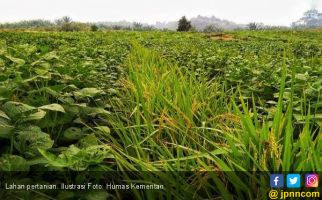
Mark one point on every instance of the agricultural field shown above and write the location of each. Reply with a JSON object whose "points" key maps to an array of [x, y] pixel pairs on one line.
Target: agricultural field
{"points": [[206, 115]]}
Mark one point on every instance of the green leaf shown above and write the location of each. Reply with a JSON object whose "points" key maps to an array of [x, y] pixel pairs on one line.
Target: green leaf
{"points": [[50, 56], [4, 115], [13, 163], [53, 107], [302, 77], [5, 92], [5, 128], [112, 91], [87, 92], [317, 116], [30, 139], [89, 140], [73, 133], [92, 111], [52, 159], [299, 117], [18, 61], [271, 102], [34, 116], [14, 109], [104, 129], [319, 124], [78, 159]]}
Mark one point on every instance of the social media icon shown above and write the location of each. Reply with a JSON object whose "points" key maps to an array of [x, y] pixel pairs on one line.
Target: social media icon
{"points": [[311, 180], [277, 180], [293, 180]]}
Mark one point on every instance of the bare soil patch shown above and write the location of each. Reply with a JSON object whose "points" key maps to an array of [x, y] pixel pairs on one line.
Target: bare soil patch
{"points": [[221, 36]]}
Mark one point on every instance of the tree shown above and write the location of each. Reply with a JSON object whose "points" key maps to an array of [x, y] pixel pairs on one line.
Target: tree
{"points": [[184, 24], [29, 24], [212, 29], [255, 26], [66, 19], [94, 28], [63, 20], [311, 19], [137, 26], [65, 23]]}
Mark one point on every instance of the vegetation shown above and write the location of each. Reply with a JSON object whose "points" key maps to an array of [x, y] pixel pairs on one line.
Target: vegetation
{"points": [[311, 19], [94, 28], [207, 115], [31, 24], [212, 29], [255, 26], [184, 24]]}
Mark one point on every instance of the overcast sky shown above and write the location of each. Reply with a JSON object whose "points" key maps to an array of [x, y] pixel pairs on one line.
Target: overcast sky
{"points": [[273, 12]]}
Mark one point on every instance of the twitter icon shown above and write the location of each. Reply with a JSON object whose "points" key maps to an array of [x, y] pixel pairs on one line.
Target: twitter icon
{"points": [[293, 180]]}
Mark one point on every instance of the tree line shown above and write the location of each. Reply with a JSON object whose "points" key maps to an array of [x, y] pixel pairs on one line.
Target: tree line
{"points": [[310, 19]]}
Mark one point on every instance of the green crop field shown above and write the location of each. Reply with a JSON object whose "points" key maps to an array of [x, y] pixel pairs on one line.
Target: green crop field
{"points": [[202, 112]]}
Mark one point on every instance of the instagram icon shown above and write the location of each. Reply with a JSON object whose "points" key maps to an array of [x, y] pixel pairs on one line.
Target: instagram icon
{"points": [[311, 180]]}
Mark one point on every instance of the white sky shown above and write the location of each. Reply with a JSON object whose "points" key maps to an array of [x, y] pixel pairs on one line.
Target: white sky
{"points": [[273, 12]]}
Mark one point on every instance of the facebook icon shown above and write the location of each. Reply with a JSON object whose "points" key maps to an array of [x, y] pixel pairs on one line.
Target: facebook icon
{"points": [[277, 180]]}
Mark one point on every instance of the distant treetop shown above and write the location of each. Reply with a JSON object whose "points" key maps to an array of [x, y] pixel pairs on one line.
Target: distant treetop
{"points": [[311, 19], [184, 24]]}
